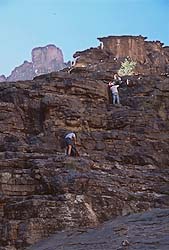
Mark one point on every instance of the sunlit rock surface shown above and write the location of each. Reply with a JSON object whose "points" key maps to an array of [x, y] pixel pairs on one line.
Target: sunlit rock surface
{"points": [[151, 56]]}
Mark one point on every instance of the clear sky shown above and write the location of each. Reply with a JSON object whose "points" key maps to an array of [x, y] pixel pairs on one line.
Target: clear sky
{"points": [[74, 25]]}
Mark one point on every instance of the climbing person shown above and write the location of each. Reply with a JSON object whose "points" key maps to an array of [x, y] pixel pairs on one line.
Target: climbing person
{"points": [[117, 79], [114, 91], [70, 140]]}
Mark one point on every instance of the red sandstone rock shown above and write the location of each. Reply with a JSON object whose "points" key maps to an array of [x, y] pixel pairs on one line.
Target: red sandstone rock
{"points": [[47, 59], [151, 57]]}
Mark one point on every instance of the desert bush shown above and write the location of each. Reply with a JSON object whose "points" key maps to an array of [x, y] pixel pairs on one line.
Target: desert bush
{"points": [[127, 67]]}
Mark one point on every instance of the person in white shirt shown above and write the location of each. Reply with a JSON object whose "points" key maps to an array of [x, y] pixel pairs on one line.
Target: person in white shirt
{"points": [[70, 140], [115, 93], [114, 88]]}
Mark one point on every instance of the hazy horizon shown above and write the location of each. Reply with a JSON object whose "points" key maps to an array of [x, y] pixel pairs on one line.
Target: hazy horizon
{"points": [[74, 25]]}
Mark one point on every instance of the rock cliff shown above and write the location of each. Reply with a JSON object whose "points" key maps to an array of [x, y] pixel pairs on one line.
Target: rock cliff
{"points": [[123, 167], [44, 60], [151, 56]]}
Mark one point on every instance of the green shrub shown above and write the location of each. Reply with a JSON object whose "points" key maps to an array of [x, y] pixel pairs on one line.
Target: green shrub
{"points": [[127, 67]]}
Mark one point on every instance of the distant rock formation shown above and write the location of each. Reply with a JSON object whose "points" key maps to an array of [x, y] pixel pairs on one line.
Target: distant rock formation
{"points": [[44, 60], [2, 78]]}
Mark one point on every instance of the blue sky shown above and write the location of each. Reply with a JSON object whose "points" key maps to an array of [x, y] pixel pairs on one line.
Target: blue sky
{"points": [[74, 25]]}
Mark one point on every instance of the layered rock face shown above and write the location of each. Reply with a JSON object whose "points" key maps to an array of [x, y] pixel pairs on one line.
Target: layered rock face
{"points": [[44, 60], [151, 57], [123, 167]]}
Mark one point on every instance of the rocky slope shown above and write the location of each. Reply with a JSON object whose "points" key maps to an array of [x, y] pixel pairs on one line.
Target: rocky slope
{"points": [[141, 231], [123, 166], [44, 60]]}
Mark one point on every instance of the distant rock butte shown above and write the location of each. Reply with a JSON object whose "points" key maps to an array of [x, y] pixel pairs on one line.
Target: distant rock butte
{"points": [[2, 78], [44, 60]]}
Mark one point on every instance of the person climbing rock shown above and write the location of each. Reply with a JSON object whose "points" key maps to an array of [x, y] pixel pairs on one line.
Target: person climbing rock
{"points": [[114, 88], [117, 79], [70, 140], [115, 93]]}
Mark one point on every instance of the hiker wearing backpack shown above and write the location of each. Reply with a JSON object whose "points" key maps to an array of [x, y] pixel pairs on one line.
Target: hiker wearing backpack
{"points": [[70, 140]]}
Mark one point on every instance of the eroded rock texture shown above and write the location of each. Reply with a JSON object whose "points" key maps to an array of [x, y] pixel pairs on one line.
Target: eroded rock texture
{"points": [[123, 166], [151, 56], [44, 60]]}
